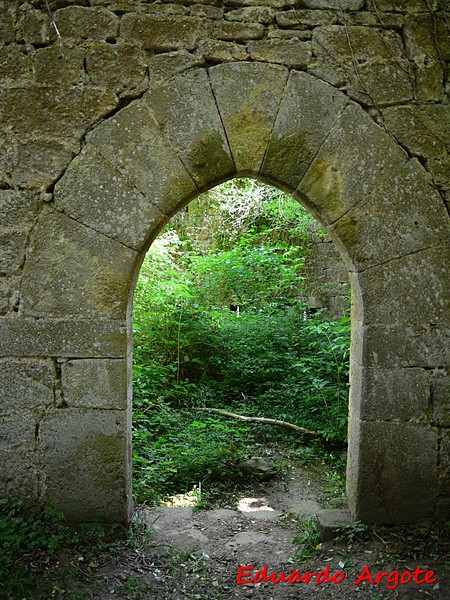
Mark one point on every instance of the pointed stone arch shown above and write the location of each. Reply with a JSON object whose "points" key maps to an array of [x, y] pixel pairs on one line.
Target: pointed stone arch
{"points": [[136, 170]]}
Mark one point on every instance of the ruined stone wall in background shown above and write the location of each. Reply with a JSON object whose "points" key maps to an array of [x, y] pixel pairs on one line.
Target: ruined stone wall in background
{"points": [[68, 67]]}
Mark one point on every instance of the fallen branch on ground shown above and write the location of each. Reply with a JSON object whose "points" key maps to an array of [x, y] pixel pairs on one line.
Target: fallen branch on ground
{"points": [[225, 413]]}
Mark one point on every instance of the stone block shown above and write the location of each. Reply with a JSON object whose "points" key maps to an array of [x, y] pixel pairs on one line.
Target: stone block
{"points": [[187, 113], [217, 51], [87, 23], [339, 177], [392, 346], [48, 109], [133, 143], [329, 521], [58, 65], [65, 338], [372, 19], [331, 4], [354, 45], [391, 471], [257, 14], [93, 192], [6, 27], [276, 4], [164, 66], [248, 96], [39, 163], [35, 28], [73, 270], [13, 242], [17, 431], [404, 6], [205, 11], [440, 397], [86, 457], [382, 394], [379, 84], [299, 509], [394, 217], [237, 32], [425, 132], [121, 67], [17, 207], [12, 64], [162, 33], [305, 19], [411, 290], [27, 383], [99, 384], [289, 34], [9, 293], [308, 111], [290, 53]]}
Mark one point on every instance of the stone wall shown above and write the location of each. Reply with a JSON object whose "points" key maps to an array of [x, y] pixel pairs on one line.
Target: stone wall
{"points": [[116, 113]]}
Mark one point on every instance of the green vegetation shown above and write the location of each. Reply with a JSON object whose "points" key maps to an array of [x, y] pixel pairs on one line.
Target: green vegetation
{"points": [[220, 321]]}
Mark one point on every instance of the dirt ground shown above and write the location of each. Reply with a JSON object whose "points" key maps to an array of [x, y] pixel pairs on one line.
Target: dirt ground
{"points": [[217, 554]]}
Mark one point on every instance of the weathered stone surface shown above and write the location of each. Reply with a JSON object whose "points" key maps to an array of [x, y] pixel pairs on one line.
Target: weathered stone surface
{"points": [[121, 67], [332, 4], [330, 520], [86, 23], [13, 242], [58, 64], [12, 64], [302, 508], [108, 387], [39, 163], [6, 27], [440, 397], [375, 84], [161, 33], [305, 19], [359, 44], [73, 270], [289, 34], [392, 493], [392, 346], [339, 177], [237, 32], [27, 382], [394, 211], [272, 3], [389, 394], [372, 19], [93, 192], [35, 28], [187, 114], [425, 132], [248, 96], [423, 36], [206, 11], [217, 51], [404, 6], [133, 143], [164, 66], [18, 207], [70, 337], [308, 111], [292, 53], [19, 476], [258, 14], [9, 293], [44, 109], [86, 457]]}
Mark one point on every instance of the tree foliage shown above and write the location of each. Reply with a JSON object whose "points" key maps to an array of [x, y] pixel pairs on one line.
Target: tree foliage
{"points": [[219, 321]]}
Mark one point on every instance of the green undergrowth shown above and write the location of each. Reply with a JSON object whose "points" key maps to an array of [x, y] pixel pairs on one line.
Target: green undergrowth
{"points": [[35, 544]]}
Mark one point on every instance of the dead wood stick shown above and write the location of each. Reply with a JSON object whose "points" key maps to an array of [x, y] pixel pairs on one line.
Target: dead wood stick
{"points": [[225, 413]]}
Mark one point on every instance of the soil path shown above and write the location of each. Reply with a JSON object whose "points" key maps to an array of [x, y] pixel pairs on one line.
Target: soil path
{"points": [[201, 554]]}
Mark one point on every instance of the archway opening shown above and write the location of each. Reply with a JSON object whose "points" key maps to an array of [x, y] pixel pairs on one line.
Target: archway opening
{"points": [[241, 349]]}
